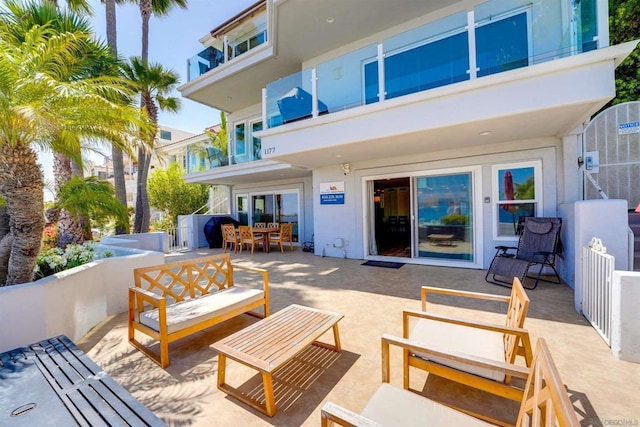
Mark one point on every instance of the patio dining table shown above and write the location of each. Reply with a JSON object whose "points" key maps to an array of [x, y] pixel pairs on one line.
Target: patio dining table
{"points": [[264, 232]]}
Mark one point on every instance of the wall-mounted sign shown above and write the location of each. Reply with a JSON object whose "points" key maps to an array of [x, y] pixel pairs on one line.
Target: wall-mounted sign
{"points": [[629, 127], [332, 193]]}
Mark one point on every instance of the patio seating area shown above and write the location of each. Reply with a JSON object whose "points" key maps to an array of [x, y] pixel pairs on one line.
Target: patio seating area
{"points": [[372, 300]]}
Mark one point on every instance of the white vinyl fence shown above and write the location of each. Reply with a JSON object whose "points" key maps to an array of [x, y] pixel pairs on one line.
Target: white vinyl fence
{"points": [[178, 238], [597, 273]]}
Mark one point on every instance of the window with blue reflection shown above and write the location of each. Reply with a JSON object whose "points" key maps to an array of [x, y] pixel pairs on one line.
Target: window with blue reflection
{"points": [[241, 143], [502, 45], [257, 143], [589, 24], [431, 65]]}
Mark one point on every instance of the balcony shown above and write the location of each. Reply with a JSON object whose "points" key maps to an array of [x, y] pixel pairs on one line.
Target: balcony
{"points": [[211, 57], [229, 41], [440, 53]]}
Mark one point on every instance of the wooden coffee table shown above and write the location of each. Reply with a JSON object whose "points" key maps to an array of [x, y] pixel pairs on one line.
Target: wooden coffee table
{"points": [[270, 343]]}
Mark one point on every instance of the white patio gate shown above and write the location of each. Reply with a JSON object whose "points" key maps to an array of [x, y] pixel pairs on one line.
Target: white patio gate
{"points": [[597, 274]]}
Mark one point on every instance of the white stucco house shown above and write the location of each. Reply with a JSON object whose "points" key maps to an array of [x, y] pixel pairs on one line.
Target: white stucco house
{"points": [[374, 124]]}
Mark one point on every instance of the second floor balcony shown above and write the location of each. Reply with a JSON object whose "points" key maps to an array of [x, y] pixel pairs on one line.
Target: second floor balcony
{"points": [[494, 37]]}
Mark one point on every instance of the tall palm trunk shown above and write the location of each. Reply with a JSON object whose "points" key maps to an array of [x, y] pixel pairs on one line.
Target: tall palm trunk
{"points": [[6, 240], [69, 228], [143, 216], [116, 154], [21, 184]]}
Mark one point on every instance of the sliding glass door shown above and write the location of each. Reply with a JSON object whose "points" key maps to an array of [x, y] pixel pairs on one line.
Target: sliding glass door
{"points": [[445, 216], [280, 207]]}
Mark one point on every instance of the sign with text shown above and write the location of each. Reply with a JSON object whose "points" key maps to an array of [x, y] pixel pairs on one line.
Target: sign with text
{"points": [[627, 128], [332, 193]]}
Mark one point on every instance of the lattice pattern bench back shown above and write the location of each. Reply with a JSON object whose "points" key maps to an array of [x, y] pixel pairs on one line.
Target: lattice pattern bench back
{"points": [[191, 278]]}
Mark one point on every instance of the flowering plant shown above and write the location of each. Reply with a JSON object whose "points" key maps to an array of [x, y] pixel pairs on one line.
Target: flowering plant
{"points": [[54, 260]]}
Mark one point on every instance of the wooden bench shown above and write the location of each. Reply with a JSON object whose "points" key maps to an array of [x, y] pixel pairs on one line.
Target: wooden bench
{"points": [[174, 300], [545, 401]]}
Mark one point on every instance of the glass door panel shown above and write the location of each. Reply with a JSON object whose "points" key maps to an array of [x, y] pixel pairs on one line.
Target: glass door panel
{"points": [[287, 211], [445, 217], [263, 210], [242, 208]]}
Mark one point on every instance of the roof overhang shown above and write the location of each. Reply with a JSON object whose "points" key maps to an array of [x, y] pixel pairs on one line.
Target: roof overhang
{"points": [[247, 173]]}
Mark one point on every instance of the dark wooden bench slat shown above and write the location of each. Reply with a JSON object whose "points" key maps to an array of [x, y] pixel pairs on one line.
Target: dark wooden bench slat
{"points": [[91, 397]]}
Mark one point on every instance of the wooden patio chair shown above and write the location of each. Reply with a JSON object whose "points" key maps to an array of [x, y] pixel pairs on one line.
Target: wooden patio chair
{"points": [[284, 235], [478, 340], [271, 225], [545, 401], [248, 238], [230, 237], [260, 225]]}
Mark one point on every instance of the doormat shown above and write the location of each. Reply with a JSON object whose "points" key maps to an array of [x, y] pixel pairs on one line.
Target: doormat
{"points": [[385, 264]]}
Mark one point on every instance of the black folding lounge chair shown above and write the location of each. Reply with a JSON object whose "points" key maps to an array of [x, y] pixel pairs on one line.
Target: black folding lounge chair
{"points": [[538, 246]]}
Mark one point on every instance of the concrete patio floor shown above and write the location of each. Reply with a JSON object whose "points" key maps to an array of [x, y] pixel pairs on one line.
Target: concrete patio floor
{"points": [[604, 391]]}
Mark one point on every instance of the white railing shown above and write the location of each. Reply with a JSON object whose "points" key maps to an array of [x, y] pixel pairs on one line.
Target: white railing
{"points": [[597, 273], [179, 238]]}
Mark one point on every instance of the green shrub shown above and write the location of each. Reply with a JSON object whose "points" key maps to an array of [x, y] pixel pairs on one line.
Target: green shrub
{"points": [[455, 219]]}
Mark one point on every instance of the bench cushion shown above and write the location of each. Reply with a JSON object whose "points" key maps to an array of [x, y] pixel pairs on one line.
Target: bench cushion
{"points": [[393, 406], [450, 338], [193, 311]]}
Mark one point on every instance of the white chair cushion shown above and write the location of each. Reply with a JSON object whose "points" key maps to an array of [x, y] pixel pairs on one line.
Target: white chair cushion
{"points": [[448, 338], [183, 314], [393, 406]]}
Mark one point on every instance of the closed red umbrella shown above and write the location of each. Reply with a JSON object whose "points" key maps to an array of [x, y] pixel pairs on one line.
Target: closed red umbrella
{"points": [[508, 191], [509, 195]]}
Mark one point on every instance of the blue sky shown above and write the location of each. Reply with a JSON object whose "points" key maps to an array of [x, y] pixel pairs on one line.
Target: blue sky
{"points": [[172, 39]]}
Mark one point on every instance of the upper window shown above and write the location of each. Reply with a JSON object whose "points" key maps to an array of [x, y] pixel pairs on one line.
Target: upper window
{"points": [[165, 134], [517, 194], [438, 63], [502, 45], [240, 139], [257, 144]]}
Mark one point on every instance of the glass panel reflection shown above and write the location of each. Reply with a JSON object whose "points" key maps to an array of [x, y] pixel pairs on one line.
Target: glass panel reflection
{"points": [[445, 217]]}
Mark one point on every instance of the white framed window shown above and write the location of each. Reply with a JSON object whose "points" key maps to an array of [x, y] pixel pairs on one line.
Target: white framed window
{"points": [[256, 126], [517, 193], [240, 139]]}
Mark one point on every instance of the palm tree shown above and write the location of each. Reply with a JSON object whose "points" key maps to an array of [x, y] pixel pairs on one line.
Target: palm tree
{"points": [[40, 107], [5, 244], [91, 198], [82, 6], [154, 83], [70, 227], [116, 153], [158, 8]]}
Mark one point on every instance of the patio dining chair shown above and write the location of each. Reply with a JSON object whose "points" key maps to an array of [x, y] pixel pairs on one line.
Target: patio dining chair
{"points": [[230, 237], [273, 225], [283, 236], [260, 224], [248, 238], [538, 246], [545, 400], [453, 336]]}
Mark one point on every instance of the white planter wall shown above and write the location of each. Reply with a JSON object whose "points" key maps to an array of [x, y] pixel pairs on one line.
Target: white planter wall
{"points": [[71, 302]]}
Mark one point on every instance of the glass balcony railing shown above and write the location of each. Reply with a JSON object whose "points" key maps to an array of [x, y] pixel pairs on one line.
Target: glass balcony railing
{"points": [[204, 61], [203, 157], [507, 35], [213, 57], [289, 99]]}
